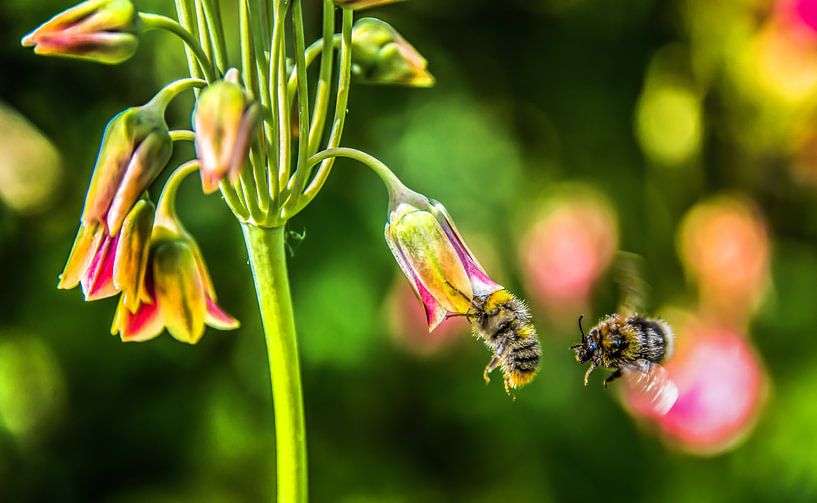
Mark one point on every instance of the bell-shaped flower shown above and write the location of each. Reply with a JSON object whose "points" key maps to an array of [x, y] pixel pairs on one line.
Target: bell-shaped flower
{"points": [[381, 56], [177, 292], [105, 265], [362, 4], [97, 30], [442, 270], [225, 120]]}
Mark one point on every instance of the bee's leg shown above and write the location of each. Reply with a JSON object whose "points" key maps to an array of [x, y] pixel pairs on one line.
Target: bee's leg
{"points": [[495, 361], [612, 377], [468, 299], [508, 389], [590, 370]]}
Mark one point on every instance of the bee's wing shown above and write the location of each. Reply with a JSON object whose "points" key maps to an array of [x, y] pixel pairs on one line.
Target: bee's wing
{"points": [[629, 274], [651, 390]]}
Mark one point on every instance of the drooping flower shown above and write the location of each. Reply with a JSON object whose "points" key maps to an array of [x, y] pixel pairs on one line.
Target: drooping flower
{"points": [[177, 292], [381, 56], [135, 148], [225, 120], [97, 30], [443, 272]]}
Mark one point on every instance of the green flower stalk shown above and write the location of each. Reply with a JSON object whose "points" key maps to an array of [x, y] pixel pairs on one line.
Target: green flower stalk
{"points": [[104, 31]]}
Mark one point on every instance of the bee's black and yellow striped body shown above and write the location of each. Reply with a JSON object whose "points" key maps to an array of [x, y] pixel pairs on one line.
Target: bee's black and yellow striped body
{"points": [[619, 341], [504, 324]]}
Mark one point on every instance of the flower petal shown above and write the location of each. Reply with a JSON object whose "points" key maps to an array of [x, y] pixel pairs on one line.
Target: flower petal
{"points": [[435, 312], [82, 255], [98, 281], [433, 260], [219, 319], [480, 281], [132, 253], [142, 325], [179, 291]]}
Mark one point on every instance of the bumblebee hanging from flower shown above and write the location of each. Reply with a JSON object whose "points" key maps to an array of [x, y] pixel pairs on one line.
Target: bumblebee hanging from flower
{"points": [[630, 344]]}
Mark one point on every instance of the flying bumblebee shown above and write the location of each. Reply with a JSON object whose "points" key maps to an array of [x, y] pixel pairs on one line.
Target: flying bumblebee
{"points": [[503, 322], [631, 345]]}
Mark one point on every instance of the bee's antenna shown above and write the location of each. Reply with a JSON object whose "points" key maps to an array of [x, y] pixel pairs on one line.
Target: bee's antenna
{"points": [[575, 346]]}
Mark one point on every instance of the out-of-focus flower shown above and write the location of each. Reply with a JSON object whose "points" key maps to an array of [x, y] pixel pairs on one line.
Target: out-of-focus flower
{"points": [[97, 30], [32, 386], [442, 270], [669, 124], [724, 247], [177, 292], [381, 56], [806, 12], [30, 168], [721, 387], [105, 264], [225, 121], [409, 327], [363, 4], [569, 245]]}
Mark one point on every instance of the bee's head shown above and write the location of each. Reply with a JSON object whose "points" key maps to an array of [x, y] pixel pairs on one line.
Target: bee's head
{"points": [[589, 345]]}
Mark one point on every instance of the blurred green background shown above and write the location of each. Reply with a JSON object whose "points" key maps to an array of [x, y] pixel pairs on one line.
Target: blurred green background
{"points": [[640, 108]]}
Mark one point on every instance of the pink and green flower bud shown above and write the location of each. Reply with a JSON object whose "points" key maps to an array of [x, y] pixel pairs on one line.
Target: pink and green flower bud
{"points": [[381, 56], [442, 270], [225, 120], [104, 31], [105, 265], [362, 4], [135, 148]]}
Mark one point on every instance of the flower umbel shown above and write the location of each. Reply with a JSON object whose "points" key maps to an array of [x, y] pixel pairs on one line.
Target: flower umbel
{"points": [[96, 30], [442, 270], [225, 121]]}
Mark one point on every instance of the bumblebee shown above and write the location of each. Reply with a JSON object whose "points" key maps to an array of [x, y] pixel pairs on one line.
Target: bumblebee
{"points": [[503, 322], [633, 346]]}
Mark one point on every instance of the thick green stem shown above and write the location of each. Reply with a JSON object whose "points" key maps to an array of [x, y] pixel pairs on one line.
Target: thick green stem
{"points": [[266, 250]]}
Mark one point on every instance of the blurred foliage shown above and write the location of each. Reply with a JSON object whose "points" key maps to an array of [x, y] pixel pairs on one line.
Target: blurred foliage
{"points": [[657, 105]]}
